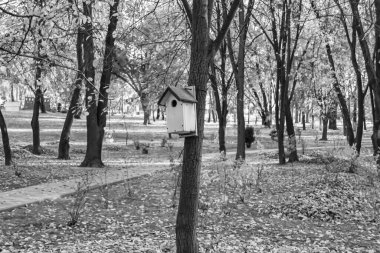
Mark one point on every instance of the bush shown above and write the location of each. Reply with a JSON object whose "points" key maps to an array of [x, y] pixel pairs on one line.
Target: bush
{"points": [[249, 136]]}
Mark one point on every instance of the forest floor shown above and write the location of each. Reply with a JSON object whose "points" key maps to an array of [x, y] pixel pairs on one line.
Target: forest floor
{"points": [[313, 205]]}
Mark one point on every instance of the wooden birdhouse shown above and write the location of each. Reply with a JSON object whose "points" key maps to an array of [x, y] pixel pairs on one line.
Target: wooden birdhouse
{"points": [[181, 115]]}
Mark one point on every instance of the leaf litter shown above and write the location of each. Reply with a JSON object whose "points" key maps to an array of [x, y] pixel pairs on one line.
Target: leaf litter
{"points": [[299, 209]]}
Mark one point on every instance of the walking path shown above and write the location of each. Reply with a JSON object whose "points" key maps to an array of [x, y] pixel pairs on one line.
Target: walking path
{"points": [[113, 175]]}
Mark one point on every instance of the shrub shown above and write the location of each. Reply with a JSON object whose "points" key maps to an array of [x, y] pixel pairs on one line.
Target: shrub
{"points": [[80, 199], [249, 136], [137, 145]]}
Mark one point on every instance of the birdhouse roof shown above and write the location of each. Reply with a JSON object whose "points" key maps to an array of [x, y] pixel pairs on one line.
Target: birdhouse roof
{"points": [[180, 94]]}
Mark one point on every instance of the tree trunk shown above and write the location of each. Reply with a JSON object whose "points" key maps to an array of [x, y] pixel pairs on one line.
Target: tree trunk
{"points": [[37, 150], [158, 113], [93, 151], [152, 112], [293, 156], [238, 68], [187, 215], [5, 137], [325, 121], [144, 98], [64, 142], [303, 121], [42, 105], [359, 128], [97, 114], [373, 70], [376, 89], [342, 101], [333, 114], [12, 92], [296, 117], [221, 102]]}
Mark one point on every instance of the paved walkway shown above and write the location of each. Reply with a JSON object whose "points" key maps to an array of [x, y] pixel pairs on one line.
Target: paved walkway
{"points": [[50, 191]]}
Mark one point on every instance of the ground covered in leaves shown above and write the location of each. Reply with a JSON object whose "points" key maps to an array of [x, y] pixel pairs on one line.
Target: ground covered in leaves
{"points": [[254, 206]]}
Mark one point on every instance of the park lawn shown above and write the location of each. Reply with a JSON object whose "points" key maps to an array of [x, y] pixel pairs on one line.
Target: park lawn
{"points": [[258, 206], [308, 206], [29, 169]]}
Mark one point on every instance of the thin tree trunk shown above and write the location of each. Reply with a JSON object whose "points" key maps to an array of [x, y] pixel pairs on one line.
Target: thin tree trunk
{"points": [[293, 157], [238, 68], [342, 101], [359, 128], [5, 137], [303, 121], [158, 113], [333, 114], [12, 92], [64, 142], [325, 122], [37, 150], [144, 98], [376, 124]]}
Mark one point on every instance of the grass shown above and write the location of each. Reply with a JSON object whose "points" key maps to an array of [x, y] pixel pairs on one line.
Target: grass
{"points": [[308, 206]]}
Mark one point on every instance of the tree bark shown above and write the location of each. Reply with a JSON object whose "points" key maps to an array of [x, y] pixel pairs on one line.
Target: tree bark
{"points": [[293, 157], [37, 150], [325, 121], [97, 113], [342, 100], [5, 137], [376, 87], [64, 142], [42, 105], [12, 92], [93, 151], [187, 215], [303, 121], [144, 98], [238, 68], [221, 103], [333, 114]]}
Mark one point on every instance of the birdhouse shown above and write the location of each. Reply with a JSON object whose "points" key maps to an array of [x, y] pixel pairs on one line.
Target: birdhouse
{"points": [[181, 116]]}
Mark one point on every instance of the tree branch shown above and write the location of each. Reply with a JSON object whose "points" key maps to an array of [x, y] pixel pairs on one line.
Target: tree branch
{"points": [[188, 10], [225, 27], [15, 14]]}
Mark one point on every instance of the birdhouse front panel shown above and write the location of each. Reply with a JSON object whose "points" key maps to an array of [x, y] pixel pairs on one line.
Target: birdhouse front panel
{"points": [[175, 118]]}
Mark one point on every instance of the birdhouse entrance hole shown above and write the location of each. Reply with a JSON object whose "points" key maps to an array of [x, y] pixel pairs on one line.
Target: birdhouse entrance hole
{"points": [[174, 103]]}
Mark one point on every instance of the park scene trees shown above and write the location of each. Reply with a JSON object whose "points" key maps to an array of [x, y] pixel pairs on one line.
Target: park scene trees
{"points": [[284, 96]]}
